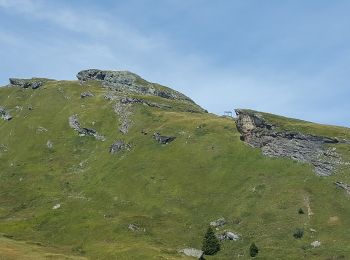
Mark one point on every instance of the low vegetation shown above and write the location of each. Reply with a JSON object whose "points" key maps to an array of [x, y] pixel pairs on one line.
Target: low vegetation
{"points": [[68, 192]]}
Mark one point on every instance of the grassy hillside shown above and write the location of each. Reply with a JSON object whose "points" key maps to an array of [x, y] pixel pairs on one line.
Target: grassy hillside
{"points": [[170, 191]]}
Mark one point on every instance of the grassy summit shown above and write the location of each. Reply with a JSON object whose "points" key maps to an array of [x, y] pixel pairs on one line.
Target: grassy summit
{"points": [[78, 200]]}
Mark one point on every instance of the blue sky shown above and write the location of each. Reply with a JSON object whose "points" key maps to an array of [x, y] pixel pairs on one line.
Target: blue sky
{"points": [[285, 57]]}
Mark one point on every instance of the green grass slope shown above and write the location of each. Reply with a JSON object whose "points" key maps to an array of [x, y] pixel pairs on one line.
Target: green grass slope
{"points": [[172, 191]]}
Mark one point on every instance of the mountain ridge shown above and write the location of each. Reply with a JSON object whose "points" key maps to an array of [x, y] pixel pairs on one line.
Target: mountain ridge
{"points": [[164, 170]]}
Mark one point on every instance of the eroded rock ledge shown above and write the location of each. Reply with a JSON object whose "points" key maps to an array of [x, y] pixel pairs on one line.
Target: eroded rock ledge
{"points": [[127, 81], [259, 133], [83, 131]]}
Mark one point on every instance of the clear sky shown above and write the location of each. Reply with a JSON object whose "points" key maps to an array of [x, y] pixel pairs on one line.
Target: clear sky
{"points": [[289, 57]]}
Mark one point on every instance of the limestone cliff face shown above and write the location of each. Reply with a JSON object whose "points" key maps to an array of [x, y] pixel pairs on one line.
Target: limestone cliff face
{"points": [[259, 133]]}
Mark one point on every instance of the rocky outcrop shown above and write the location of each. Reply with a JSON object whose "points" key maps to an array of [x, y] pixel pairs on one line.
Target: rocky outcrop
{"points": [[259, 133], [162, 139], [26, 83], [119, 146], [344, 186], [5, 115], [83, 131], [130, 82]]}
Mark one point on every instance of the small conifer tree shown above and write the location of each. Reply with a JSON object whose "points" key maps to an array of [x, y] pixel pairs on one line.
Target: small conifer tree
{"points": [[211, 244], [253, 250]]}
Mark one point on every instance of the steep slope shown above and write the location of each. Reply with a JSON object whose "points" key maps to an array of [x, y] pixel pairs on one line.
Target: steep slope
{"points": [[107, 167]]}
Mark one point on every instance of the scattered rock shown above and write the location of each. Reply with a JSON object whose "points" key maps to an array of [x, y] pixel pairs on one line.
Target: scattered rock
{"points": [[41, 129], [119, 146], [3, 148], [26, 83], [258, 133], [75, 124], [5, 115], [192, 252], [57, 206], [162, 139], [218, 223], [49, 144], [86, 94], [228, 235], [136, 228], [343, 185], [316, 244], [124, 112]]}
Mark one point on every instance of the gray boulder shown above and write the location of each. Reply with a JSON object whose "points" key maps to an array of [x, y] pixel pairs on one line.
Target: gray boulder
{"points": [[5, 115], [228, 235], [162, 139], [193, 252], [86, 94]]}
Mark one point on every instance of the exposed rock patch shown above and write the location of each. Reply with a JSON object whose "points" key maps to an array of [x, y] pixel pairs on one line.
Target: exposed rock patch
{"points": [[83, 131], [192, 252], [86, 94], [228, 235], [57, 206], [130, 100], [127, 81], [258, 133], [136, 228], [3, 148], [49, 144], [123, 110], [26, 83], [315, 244], [218, 223], [162, 139], [344, 186], [5, 115], [119, 146]]}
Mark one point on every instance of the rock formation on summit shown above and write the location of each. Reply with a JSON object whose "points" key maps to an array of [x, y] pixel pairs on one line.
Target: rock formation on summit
{"points": [[127, 81], [259, 133], [32, 83]]}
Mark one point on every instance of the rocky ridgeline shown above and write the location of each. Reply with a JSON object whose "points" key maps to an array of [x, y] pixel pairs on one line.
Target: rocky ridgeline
{"points": [[130, 82], [32, 83], [259, 133]]}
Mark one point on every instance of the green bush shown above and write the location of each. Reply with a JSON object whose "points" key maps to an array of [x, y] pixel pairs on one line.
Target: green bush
{"points": [[301, 211], [298, 233], [253, 250], [211, 244]]}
